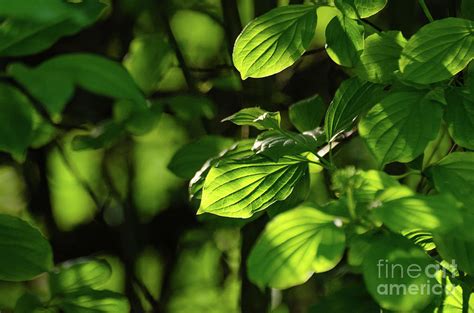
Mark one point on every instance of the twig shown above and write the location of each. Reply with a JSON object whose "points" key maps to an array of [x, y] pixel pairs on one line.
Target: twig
{"points": [[426, 10], [366, 21], [78, 176], [177, 50], [147, 294]]}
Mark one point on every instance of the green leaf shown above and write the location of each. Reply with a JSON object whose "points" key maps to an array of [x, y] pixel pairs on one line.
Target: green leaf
{"points": [[94, 301], [293, 246], [307, 114], [360, 8], [352, 98], [274, 41], [401, 125], [344, 40], [460, 116], [457, 251], [53, 82], [453, 300], [277, 143], [255, 117], [239, 151], [385, 268], [438, 51], [379, 60], [242, 188], [78, 274], [432, 213], [148, 60], [25, 252], [30, 28], [455, 174], [357, 188], [191, 157], [16, 121]]}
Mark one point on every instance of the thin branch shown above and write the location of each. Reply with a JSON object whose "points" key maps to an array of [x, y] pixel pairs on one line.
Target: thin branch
{"points": [[147, 294], [177, 50], [366, 21], [425, 9], [78, 176]]}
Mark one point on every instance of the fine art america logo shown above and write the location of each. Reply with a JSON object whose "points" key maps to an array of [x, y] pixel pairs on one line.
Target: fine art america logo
{"points": [[423, 280]]}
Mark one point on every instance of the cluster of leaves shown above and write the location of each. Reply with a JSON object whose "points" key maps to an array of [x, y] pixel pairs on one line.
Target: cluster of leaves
{"points": [[403, 95], [403, 92]]}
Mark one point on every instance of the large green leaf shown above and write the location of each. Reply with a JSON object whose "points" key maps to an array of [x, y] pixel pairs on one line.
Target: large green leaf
{"points": [[457, 251], [255, 117], [53, 82], [242, 188], [357, 189], [307, 114], [439, 213], [31, 27], [379, 60], [352, 98], [391, 275], [455, 174], [277, 143], [438, 51], [274, 41], [460, 116], [293, 246], [16, 121], [191, 157], [25, 252], [401, 125], [360, 8], [344, 40], [93, 301], [78, 274]]}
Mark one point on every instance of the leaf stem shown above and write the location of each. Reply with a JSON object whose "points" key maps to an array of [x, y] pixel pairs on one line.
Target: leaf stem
{"points": [[425, 9]]}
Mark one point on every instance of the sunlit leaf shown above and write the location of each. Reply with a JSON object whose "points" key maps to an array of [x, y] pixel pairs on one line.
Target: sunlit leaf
{"points": [[275, 144], [274, 41], [352, 98], [399, 127], [438, 51], [243, 188], [344, 40], [360, 8], [255, 117], [379, 60], [293, 246], [432, 213]]}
